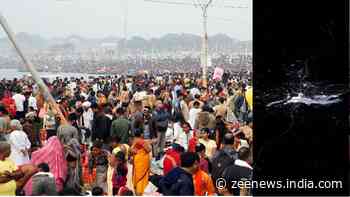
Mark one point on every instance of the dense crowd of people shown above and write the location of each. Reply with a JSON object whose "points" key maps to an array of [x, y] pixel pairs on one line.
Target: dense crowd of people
{"points": [[166, 134], [164, 63]]}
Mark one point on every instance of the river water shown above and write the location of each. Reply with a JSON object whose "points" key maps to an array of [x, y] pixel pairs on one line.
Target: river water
{"points": [[14, 73]]}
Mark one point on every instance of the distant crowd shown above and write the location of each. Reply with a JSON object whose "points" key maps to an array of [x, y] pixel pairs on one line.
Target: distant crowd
{"points": [[172, 64]]}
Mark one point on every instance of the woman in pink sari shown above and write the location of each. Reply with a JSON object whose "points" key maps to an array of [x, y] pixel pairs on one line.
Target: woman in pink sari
{"points": [[52, 154]]}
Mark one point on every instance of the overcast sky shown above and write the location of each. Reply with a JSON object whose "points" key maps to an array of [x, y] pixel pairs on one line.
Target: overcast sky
{"points": [[99, 18]]}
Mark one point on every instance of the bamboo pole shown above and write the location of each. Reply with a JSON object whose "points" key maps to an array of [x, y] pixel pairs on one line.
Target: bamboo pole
{"points": [[46, 93]]}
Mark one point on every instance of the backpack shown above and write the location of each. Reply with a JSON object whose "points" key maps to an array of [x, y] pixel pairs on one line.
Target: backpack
{"points": [[220, 163]]}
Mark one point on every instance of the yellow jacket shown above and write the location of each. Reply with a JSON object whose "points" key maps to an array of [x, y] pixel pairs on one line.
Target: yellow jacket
{"points": [[249, 98]]}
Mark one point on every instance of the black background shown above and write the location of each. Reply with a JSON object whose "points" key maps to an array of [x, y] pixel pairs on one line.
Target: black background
{"points": [[283, 32]]}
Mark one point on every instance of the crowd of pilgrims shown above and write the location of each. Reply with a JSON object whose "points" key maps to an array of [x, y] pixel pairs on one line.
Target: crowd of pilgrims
{"points": [[126, 135]]}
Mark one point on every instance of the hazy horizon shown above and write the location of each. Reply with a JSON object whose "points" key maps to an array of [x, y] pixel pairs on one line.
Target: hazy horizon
{"points": [[98, 19], [115, 36]]}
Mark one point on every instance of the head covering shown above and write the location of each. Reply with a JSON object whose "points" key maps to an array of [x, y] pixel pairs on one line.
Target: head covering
{"points": [[16, 124]]}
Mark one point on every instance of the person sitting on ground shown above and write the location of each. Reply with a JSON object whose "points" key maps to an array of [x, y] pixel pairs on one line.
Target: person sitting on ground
{"points": [[44, 182]]}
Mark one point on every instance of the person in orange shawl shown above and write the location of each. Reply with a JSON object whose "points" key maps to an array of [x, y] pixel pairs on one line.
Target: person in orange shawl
{"points": [[203, 184], [140, 150]]}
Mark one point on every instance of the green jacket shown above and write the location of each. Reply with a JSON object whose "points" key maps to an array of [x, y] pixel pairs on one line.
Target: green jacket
{"points": [[121, 127]]}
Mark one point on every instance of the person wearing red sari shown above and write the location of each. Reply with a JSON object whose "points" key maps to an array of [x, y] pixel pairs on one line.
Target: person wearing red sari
{"points": [[9, 103]]}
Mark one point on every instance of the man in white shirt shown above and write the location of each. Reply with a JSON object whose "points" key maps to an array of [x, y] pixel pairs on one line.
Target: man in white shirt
{"points": [[19, 101], [88, 115], [32, 102], [183, 135], [194, 113], [20, 144]]}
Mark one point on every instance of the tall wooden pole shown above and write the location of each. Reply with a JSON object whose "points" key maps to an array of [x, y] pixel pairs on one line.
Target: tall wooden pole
{"points": [[46, 93]]}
